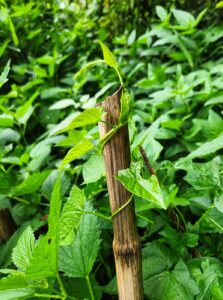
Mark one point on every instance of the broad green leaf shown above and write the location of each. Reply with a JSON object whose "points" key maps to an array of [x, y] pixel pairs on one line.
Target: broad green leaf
{"points": [[148, 189], [77, 259], [219, 4], [176, 284], [71, 215], [86, 67], [31, 184], [87, 117], [207, 272], [16, 286], [4, 74], [157, 258], [202, 176], [52, 92], [183, 18], [211, 221], [77, 151], [94, 168], [218, 202], [161, 13], [108, 56], [13, 31], [45, 257], [62, 104], [208, 148], [23, 252], [6, 120], [131, 37], [74, 137]]}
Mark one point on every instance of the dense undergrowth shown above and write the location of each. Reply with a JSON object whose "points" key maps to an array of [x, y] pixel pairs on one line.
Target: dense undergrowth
{"points": [[173, 69]]}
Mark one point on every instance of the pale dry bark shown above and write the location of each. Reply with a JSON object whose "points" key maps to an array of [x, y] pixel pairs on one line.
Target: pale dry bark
{"points": [[126, 243]]}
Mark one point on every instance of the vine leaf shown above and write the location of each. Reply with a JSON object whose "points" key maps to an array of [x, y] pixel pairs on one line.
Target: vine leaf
{"points": [[77, 151], [77, 259], [23, 252], [71, 215], [108, 56], [87, 117], [147, 189], [45, 257]]}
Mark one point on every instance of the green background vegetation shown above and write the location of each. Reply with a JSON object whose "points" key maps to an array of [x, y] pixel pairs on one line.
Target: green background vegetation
{"points": [[170, 54]]}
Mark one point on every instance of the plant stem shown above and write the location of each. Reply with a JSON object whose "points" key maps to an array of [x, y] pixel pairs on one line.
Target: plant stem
{"points": [[48, 296], [97, 214], [90, 288], [119, 76], [20, 199], [144, 218], [64, 294], [121, 208]]}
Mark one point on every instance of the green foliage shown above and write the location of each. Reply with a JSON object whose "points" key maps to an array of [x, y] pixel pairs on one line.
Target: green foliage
{"points": [[71, 215], [77, 259], [170, 60], [23, 252], [147, 189]]}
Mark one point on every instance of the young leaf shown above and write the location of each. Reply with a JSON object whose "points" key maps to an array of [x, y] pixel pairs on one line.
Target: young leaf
{"points": [[183, 18], [161, 13], [125, 107], [23, 252], [4, 74], [148, 189], [108, 56], [208, 148], [94, 168], [45, 257], [86, 67], [31, 184], [77, 151], [16, 286], [87, 117], [77, 259], [71, 215], [176, 284]]}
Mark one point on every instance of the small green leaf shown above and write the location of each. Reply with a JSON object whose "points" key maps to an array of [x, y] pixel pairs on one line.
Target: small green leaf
{"points": [[31, 184], [108, 56], [219, 4], [23, 252], [161, 13], [77, 259], [62, 104], [176, 284], [45, 257], [4, 74], [16, 286], [183, 18], [208, 148], [86, 67], [74, 137], [94, 168], [147, 189], [87, 117], [125, 107], [71, 215], [77, 151]]}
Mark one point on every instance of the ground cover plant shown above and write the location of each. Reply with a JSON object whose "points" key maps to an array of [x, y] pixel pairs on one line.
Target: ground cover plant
{"points": [[52, 176]]}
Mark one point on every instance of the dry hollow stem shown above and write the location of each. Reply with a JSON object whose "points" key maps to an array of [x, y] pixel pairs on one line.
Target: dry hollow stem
{"points": [[126, 243]]}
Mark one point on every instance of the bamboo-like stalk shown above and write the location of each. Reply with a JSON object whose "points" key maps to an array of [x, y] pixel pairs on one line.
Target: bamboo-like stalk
{"points": [[126, 243]]}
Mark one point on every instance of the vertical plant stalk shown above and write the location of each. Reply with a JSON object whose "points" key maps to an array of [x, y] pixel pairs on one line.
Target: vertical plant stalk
{"points": [[126, 243], [7, 224]]}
